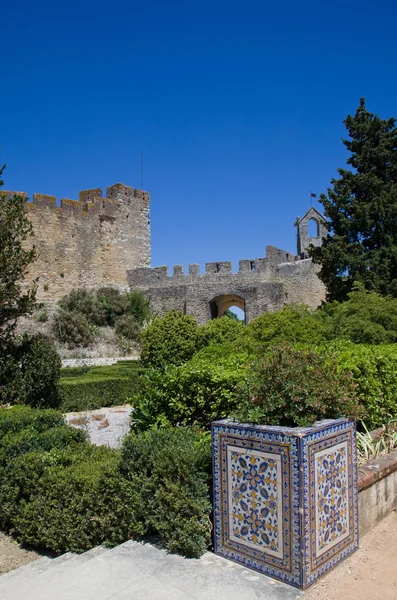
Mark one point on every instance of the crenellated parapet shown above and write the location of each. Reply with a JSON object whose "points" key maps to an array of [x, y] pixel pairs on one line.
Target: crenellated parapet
{"points": [[89, 242], [91, 203], [258, 285], [251, 269]]}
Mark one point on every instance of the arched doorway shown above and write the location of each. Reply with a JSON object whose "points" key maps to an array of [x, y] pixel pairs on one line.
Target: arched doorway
{"points": [[223, 302]]}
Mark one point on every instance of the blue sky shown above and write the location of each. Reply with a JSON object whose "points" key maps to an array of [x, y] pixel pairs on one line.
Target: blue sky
{"points": [[237, 108]]}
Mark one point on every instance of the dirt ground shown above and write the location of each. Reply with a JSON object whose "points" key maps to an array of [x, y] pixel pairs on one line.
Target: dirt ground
{"points": [[368, 574], [12, 555]]}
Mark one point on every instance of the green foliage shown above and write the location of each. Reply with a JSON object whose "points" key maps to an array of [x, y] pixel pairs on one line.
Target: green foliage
{"points": [[229, 314], [78, 500], [88, 388], [128, 328], [361, 210], [170, 471], [192, 394], [15, 258], [29, 373], [294, 324], [18, 418], [106, 305], [220, 331], [60, 493], [296, 387], [374, 370], [83, 302], [138, 306], [366, 317], [73, 328], [169, 340]]}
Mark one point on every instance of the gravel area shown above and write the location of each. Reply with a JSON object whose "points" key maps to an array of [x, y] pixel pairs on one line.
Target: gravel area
{"points": [[105, 426], [12, 555]]}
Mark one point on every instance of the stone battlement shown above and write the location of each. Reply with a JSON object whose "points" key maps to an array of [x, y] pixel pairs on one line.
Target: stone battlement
{"points": [[91, 203], [89, 242], [251, 268]]}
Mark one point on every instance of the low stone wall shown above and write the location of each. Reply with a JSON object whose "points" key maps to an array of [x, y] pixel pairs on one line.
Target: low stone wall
{"points": [[377, 491], [95, 362]]}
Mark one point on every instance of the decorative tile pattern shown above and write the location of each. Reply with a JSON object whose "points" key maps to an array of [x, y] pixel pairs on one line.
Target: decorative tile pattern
{"points": [[255, 499], [285, 499]]}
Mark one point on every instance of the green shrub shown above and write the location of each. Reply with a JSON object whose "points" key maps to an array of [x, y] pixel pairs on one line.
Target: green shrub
{"points": [[29, 373], [374, 370], [220, 331], [128, 328], [138, 306], [111, 304], [29, 440], [90, 393], [296, 387], [364, 318], [169, 470], [293, 324], [169, 340], [79, 500], [73, 329], [82, 302], [15, 419], [192, 394]]}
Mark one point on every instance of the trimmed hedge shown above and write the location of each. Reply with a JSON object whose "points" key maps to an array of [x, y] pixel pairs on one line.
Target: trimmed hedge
{"points": [[374, 370], [60, 493], [90, 388], [170, 470]]}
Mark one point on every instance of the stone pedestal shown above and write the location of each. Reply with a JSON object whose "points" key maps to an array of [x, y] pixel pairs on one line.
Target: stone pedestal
{"points": [[285, 500]]}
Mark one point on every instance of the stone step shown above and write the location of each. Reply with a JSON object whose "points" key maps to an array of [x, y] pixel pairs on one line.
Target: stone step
{"points": [[142, 572], [34, 566]]}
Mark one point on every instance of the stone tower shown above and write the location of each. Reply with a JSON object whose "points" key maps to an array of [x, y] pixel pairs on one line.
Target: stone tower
{"points": [[303, 238]]}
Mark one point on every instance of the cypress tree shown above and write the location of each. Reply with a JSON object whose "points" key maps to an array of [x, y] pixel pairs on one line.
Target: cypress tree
{"points": [[361, 210]]}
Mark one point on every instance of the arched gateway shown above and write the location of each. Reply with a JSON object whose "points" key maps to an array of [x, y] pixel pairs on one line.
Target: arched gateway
{"points": [[218, 305]]}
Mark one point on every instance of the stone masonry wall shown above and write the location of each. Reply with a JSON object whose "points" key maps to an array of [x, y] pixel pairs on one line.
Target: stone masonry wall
{"points": [[261, 285], [91, 242]]}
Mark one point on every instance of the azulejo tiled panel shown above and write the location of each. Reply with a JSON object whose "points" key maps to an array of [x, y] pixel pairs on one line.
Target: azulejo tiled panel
{"points": [[285, 499]]}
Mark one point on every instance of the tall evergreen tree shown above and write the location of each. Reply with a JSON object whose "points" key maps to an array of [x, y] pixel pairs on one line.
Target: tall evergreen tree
{"points": [[15, 258], [361, 209]]}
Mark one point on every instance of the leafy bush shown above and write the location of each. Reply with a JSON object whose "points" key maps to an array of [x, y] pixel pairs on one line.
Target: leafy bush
{"points": [[138, 306], [82, 302], [374, 370], [127, 327], [29, 373], [100, 386], [89, 393], [169, 340], [61, 493], [106, 305], [18, 418], [293, 324], [296, 387], [192, 394], [365, 317], [220, 331], [73, 328], [93, 503], [170, 471], [29, 440]]}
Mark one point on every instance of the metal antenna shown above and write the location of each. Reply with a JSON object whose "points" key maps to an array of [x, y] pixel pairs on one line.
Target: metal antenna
{"points": [[141, 171]]}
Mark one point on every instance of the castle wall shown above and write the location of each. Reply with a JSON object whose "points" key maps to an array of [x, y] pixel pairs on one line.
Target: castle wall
{"points": [[91, 242], [264, 284]]}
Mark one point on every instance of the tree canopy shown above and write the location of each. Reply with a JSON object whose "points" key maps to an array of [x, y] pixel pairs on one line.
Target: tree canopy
{"points": [[361, 210], [15, 258]]}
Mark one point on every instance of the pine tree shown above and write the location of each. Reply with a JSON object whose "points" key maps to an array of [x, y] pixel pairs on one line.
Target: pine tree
{"points": [[361, 210], [15, 258]]}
